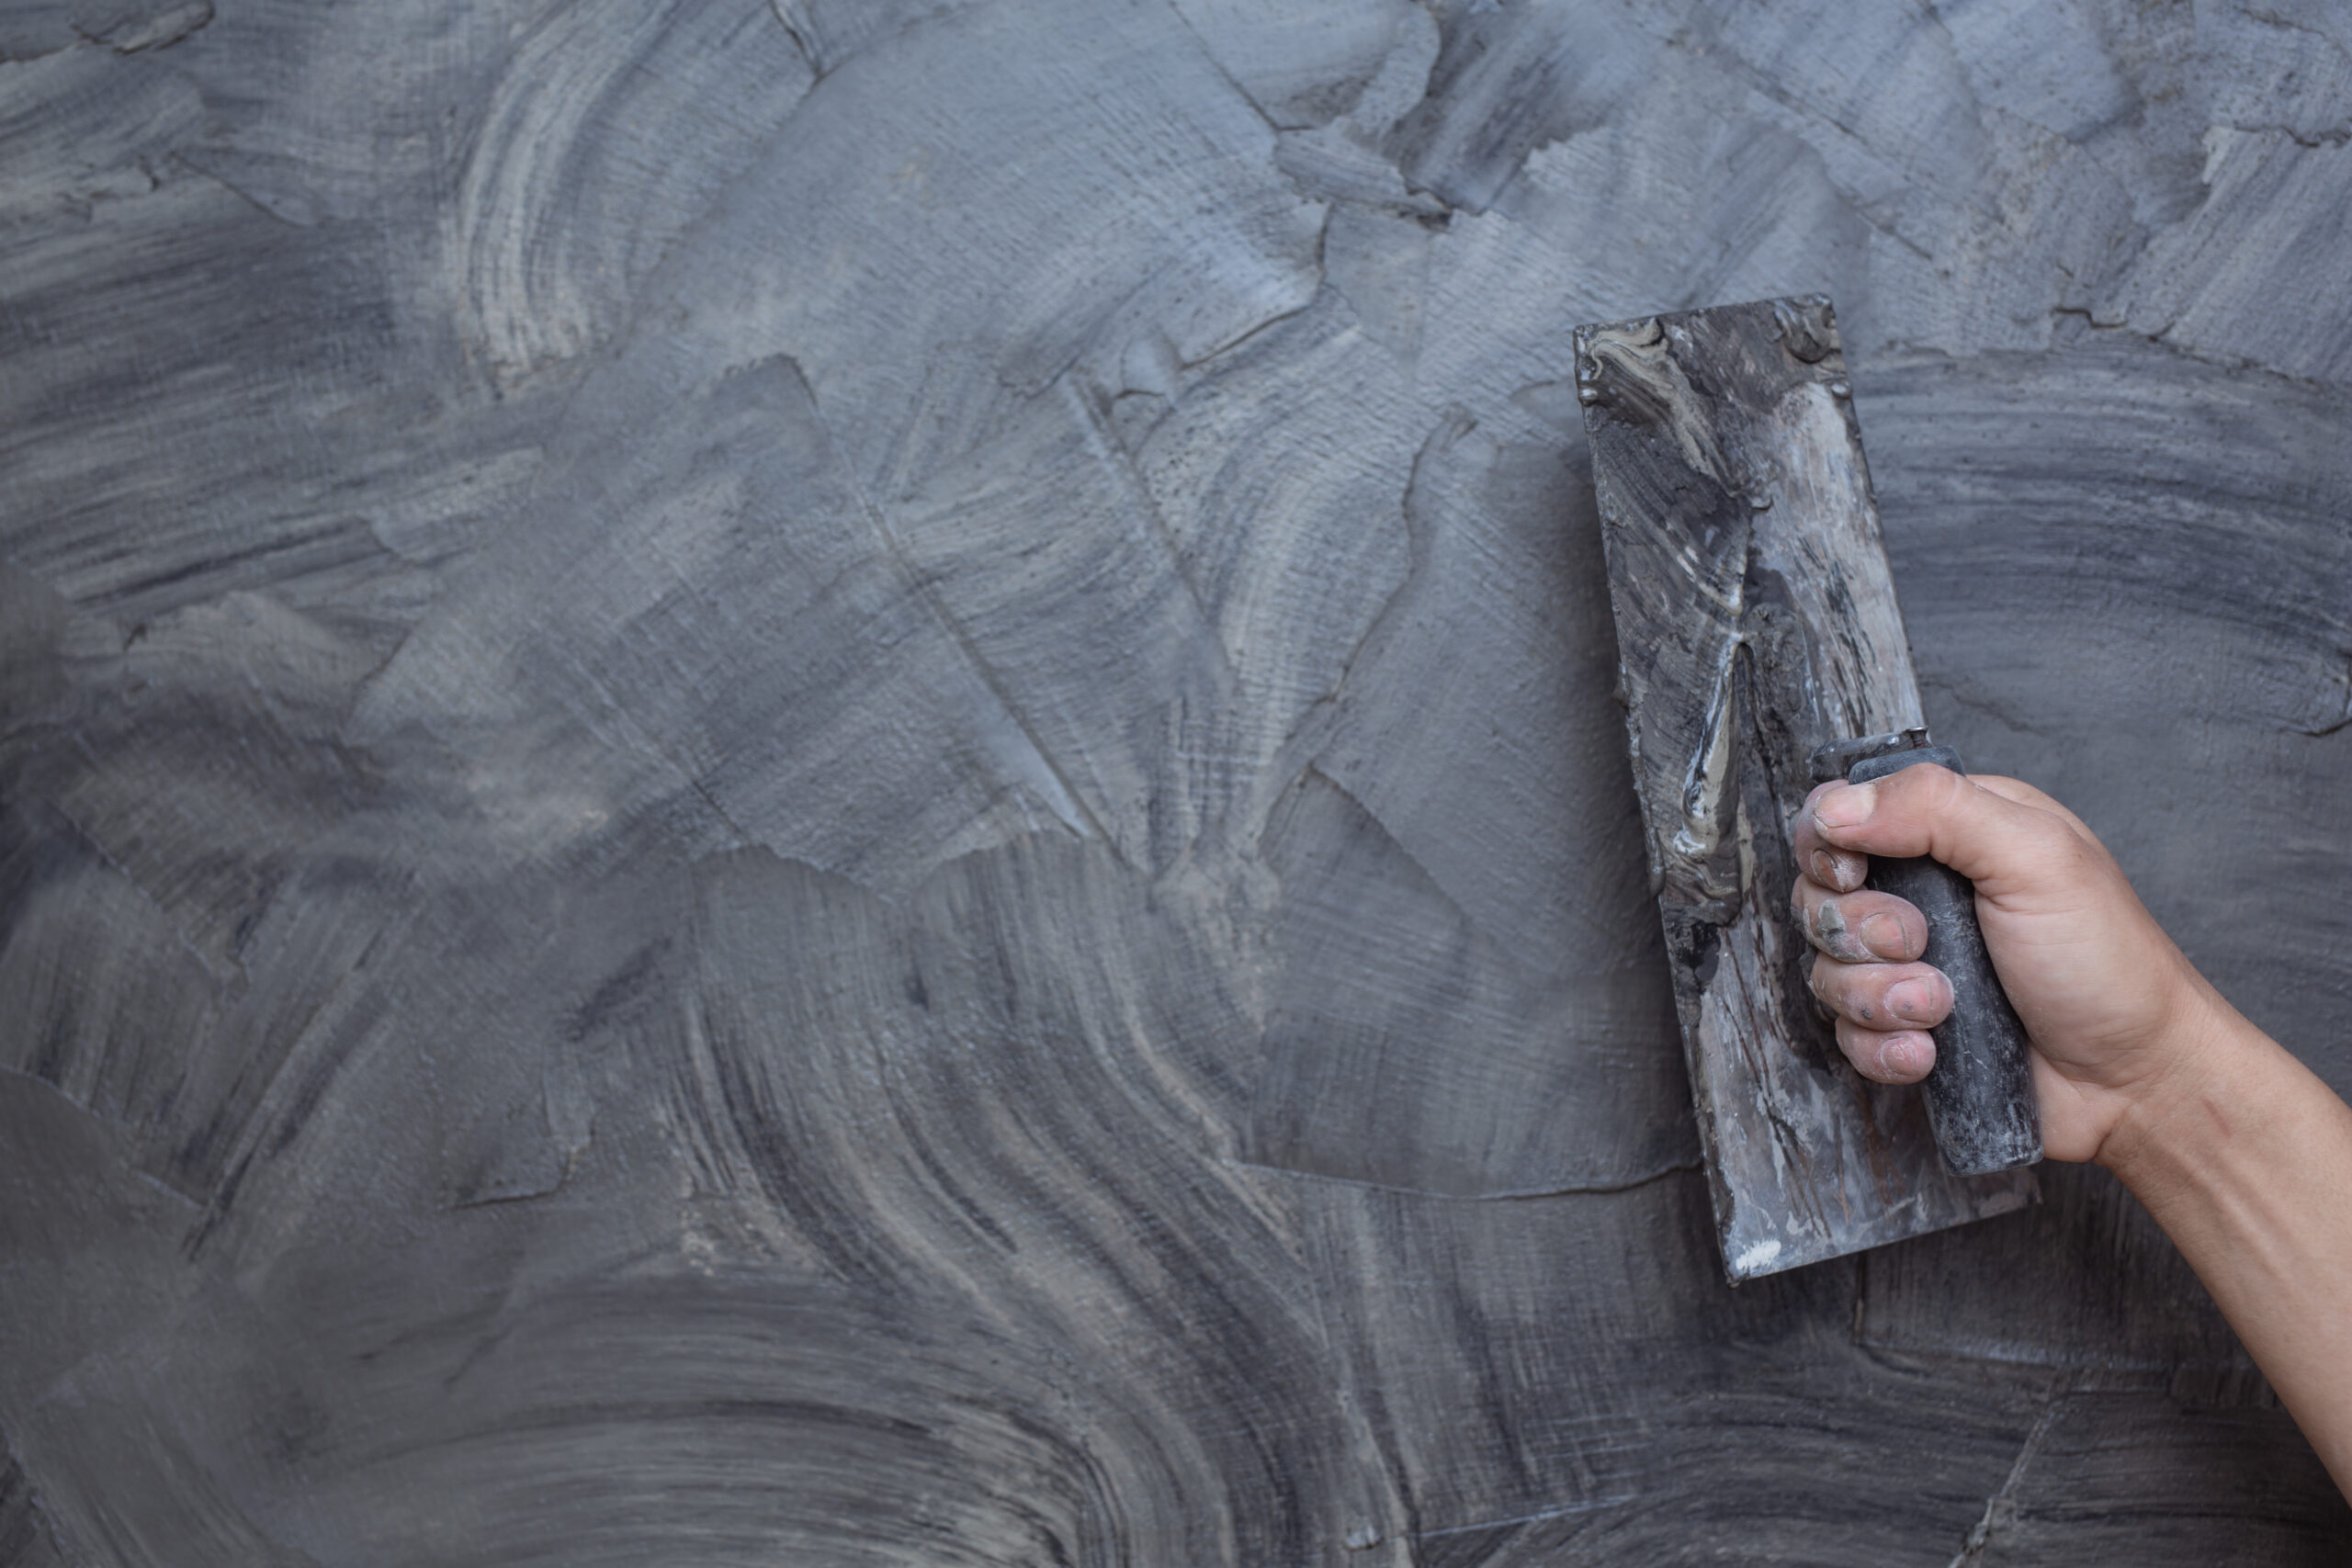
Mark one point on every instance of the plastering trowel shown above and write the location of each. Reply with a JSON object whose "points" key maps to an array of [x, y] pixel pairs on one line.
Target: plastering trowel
{"points": [[1761, 651]]}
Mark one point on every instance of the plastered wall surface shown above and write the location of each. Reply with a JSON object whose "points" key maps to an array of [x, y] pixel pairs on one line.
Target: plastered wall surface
{"points": [[836, 782]]}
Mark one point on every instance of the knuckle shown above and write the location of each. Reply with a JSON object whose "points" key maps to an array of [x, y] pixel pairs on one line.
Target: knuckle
{"points": [[2072, 855]]}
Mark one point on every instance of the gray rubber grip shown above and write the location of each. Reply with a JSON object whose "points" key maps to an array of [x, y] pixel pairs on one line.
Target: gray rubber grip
{"points": [[1980, 1093]]}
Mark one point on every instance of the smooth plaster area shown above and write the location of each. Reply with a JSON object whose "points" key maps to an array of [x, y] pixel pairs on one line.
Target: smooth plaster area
{"points": [[836, 782]]}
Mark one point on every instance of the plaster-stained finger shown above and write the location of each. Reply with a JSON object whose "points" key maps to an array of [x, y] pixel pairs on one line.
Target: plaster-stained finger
{"points": [[1840, 871], [1897, 1056], [1981, 832], [1859, 927], [1882, 995]]}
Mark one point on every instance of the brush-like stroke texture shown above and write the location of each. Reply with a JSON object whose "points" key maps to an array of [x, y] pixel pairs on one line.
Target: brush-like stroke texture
{"points": [[836, 781]]}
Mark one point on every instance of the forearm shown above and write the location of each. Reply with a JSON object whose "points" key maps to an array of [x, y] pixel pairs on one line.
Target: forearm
{"points": [[2245, 1157]]}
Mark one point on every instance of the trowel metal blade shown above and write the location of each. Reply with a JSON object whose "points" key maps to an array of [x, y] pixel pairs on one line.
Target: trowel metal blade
{"points": [[1757, 620]]}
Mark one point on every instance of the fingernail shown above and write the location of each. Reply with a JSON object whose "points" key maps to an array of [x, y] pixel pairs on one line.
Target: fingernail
{"points": [[1882, 934], [1847, 807], [1831, 869], [1913, 1000], [1904, 1055]]}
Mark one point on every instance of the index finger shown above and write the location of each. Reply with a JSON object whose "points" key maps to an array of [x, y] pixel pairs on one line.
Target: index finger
{"points": [[1840, 871]]}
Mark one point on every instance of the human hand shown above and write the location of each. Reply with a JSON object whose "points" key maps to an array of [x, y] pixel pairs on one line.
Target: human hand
{"points": [[2113, 1009], [2236, 1148]]}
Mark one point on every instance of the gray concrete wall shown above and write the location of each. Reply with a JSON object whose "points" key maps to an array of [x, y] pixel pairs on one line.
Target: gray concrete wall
{"points": [[835, 784]]}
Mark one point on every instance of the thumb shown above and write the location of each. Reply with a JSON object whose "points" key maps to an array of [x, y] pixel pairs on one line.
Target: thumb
{"points": [[1925, 810]]}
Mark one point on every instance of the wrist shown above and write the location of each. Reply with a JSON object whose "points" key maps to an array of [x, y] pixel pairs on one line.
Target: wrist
{"points": [[2181, 1117]]}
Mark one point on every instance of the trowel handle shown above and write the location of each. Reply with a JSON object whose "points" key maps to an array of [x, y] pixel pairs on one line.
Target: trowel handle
{"points": [[1980, 1093]]}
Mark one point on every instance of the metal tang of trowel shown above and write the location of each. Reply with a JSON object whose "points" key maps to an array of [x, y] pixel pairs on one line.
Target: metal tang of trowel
{"points": [[1762, 650]]}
